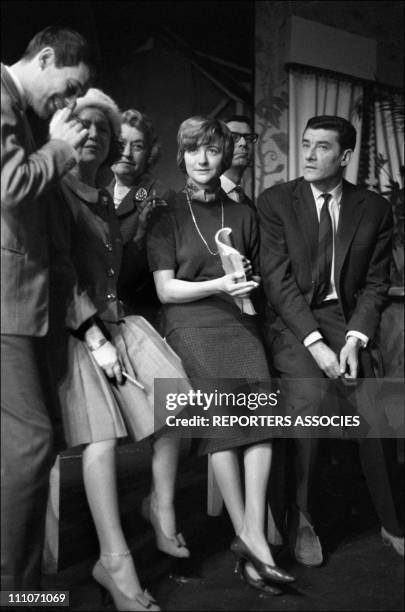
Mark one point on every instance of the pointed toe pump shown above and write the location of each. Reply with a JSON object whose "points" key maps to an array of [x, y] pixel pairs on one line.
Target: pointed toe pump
{"points": [[267, 572], [174, 545], [142, 601]]}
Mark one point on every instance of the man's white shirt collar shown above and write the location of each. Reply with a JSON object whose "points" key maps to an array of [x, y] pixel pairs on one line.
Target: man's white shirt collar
{"points": [[336, 192], [19, 86], [226, 184]]}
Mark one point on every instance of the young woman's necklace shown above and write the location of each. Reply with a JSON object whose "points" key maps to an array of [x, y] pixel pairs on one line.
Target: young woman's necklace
{"points": [[198, 229]]}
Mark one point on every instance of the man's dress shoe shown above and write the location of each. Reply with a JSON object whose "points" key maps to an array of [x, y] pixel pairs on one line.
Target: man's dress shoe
{"points": [[396, 542], [308, 549]]}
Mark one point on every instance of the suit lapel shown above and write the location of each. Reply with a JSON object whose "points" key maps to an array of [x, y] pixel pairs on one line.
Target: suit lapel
{"points": [[351, 211], [305, 210], [10, 85], [129, 203], [28, 131], [15, 94], [110, 188]]}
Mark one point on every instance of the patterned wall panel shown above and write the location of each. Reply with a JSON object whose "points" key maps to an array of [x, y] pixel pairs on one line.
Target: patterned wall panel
{"points": [[271, 94]]}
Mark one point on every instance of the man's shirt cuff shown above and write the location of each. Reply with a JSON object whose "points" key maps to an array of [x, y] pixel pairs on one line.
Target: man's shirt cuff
{"points": [[362, 337], [312, 337]]}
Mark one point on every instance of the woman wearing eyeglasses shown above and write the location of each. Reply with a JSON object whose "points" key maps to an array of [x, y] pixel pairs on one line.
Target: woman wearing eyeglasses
{"points": [[206, 328], [138, 195]]}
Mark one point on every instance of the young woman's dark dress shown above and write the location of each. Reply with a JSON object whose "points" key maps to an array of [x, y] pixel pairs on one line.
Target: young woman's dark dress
{"points": [[211, 336]]}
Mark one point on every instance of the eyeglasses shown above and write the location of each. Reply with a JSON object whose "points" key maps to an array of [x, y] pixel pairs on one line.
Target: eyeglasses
{"points": [[249, 138]]}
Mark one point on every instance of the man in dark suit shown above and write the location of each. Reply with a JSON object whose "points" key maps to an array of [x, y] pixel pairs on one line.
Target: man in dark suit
{"points": [[325, 260], [244, 139], [54, 70]]}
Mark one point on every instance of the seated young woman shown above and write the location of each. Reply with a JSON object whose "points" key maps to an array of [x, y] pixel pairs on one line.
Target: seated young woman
{"points": [[207, 329]]}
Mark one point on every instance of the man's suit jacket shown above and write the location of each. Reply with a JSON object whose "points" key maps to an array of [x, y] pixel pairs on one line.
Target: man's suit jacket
{"points": [[26, 176], [289, 240], [229, 186]]}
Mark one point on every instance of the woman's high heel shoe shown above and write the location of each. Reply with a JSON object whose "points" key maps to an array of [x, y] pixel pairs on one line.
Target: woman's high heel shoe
{"points": [[174, 546], [255, 583], [265, 571], [141, 602]]}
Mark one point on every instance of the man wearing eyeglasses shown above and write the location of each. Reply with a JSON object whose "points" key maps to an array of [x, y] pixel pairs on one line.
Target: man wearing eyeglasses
{"points": [[244, 139]]}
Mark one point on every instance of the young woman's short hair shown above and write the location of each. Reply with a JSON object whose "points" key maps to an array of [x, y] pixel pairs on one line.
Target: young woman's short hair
{"points": [[199, 130], [144, 124], [345, 130]]}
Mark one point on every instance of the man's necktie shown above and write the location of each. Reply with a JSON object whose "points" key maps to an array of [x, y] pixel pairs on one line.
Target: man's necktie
{"points": [[240, 194], [325, 251], [242, 198]]}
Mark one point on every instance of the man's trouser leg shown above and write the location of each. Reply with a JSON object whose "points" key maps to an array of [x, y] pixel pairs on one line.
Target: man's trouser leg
{"points": [[26, 443], [377, 455], [294, 363]]}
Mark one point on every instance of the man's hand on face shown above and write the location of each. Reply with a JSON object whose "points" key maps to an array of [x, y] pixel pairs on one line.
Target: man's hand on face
{"points": [[64, 126], [325, 358]]}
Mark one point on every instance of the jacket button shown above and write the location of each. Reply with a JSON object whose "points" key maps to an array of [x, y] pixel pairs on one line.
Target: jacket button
{"points": [[108, 246], [110, 272]]}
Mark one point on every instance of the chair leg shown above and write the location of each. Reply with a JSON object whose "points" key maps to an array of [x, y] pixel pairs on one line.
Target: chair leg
{"points": [[273, 534], [50, 555], [215, 501]]}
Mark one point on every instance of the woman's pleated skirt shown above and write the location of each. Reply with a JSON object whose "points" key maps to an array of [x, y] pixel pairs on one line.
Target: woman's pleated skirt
{"points": [[94, 408]]}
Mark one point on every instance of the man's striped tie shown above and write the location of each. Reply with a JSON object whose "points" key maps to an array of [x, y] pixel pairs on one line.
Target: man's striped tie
{"points": [[325, 252]]}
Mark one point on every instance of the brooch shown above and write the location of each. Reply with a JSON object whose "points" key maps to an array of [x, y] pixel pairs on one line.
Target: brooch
{"points": [[141, 194]]}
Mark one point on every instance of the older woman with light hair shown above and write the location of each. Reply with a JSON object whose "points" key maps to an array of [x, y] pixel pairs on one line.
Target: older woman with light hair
{"points": [[107, 388]]}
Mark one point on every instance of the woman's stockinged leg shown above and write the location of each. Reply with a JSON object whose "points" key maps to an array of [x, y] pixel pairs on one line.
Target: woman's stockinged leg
{"points": [[165, 458], [158, 507], [226, 469], [257, 462], [99, 476]]}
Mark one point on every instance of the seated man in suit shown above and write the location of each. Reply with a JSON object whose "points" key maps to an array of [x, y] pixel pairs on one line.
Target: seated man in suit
{"points": [[325, 259], [54, 70], [244, 139]]}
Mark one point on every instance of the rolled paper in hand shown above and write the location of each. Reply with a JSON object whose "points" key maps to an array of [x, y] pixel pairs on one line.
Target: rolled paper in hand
{"points": [[133, 380]]}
